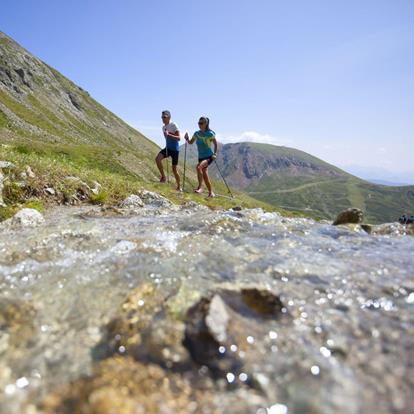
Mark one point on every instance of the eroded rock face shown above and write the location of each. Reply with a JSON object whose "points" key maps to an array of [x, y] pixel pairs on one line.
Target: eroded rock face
{"points": [[351, 215], [27, 217]]}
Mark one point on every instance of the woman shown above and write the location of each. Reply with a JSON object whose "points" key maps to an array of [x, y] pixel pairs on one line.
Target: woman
{"points": [[204, 137]]}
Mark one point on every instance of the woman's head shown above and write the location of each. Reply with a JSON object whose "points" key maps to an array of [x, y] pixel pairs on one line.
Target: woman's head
{"points": [[204, 123]]}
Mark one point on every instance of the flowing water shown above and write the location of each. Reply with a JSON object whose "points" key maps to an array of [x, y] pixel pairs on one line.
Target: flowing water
{"points": [[344, 341]]}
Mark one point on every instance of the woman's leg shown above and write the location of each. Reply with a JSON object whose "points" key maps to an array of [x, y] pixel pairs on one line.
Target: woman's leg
{"points": [[207, 181], [200, 176]]}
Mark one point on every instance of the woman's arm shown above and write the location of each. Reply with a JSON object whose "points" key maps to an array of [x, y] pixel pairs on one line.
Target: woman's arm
{"points": [[190, 141]]}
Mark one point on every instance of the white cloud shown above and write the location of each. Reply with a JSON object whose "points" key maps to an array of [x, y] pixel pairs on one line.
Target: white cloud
{"points": [[252, 136]]}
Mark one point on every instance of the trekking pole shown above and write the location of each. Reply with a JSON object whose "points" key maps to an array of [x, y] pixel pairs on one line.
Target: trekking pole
{"points": [[228, 188], [185, 159]]}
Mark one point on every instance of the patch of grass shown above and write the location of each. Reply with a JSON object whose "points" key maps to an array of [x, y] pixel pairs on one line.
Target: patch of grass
{"points": [[35, 204], [53, 163], [101, 198], [12, 193], [3, 119], [7, 212], [28, 115]]}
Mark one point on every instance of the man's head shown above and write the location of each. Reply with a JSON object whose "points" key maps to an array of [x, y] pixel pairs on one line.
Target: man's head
{"points": [[166, 116]]}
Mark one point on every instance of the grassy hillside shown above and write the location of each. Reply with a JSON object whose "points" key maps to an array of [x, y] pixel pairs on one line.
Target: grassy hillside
{"points": [[297, 181], [55, 127]]}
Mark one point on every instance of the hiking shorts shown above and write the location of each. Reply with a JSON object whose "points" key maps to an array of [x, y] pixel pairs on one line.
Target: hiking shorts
{"points": [[171, 153], [209, 159]]}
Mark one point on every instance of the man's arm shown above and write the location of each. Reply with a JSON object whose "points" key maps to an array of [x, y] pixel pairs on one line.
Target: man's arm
{"points": [[173, 135]]}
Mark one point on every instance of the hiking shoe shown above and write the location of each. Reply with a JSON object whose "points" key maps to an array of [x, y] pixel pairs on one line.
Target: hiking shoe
{"points": [[198, 190], [163, 180]]}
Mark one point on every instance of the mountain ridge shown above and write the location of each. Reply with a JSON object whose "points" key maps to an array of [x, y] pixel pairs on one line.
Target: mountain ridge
{"points": [[298, 181]]}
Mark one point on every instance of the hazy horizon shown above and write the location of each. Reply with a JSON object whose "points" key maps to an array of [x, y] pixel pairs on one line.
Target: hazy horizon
{"points": [[334, 80]]}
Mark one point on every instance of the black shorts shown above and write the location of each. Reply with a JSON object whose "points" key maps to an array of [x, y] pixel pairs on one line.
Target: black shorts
{"points": [[209, 159], [171, 153]]}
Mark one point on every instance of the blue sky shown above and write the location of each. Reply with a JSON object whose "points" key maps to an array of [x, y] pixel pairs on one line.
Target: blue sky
{"points": [[334, 78]]}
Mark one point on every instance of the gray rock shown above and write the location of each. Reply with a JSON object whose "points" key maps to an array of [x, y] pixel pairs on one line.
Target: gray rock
{"points": [[217, 318], [29, 172], [96, 188], [50, 190], [154, 199], [351, 215], [132, 201], [6, 165], [27, 217]]}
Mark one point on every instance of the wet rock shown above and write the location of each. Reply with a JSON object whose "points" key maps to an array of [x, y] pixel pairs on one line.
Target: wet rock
{"points": [[263, 302], [351, 215], [154, 199], [123, 386], [192, 205], [218, 330], [123, 333], [207, 337], [132, 201], [17, 321], [27, 217], [217, 318], [394, 229], [253, 302]]}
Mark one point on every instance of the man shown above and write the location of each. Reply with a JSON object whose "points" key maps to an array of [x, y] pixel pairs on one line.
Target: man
{"points": [[172, 138]]}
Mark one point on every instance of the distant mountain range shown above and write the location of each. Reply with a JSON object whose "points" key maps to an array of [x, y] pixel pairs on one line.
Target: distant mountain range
{"points": [[378, 175], [295, 180]]}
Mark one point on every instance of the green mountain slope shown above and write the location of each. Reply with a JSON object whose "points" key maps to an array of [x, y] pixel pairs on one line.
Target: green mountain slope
{"points": [[295, 180], [39, 105]]}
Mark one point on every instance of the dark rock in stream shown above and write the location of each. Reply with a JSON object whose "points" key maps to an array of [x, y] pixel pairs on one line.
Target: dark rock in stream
{"points": [[351, 215]]}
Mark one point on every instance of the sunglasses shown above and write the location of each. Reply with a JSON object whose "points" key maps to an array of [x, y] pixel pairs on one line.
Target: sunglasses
{"points": [[165, 116], [201, 122]]}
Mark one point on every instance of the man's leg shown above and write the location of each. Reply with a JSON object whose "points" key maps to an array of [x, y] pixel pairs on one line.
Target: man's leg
{"points": [[158, 160], [177, 177]]}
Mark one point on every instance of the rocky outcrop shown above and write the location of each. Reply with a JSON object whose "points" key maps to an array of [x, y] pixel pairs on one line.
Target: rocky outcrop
{"points": [[27, 217], [349, 216], [131, 202], [154, 199]]}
